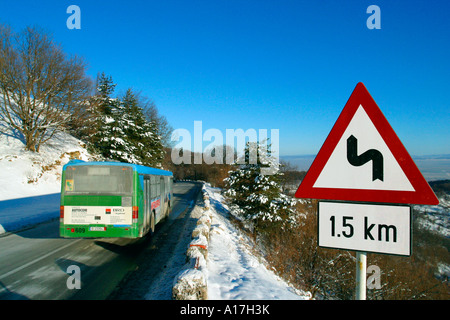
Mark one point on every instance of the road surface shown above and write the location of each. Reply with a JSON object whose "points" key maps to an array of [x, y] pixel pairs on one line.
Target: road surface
{"points": [[34, 263]]}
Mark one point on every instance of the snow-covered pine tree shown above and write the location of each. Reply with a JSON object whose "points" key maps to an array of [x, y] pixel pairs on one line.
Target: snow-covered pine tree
{"points": [[142, 138], [121, 131], [153, 151], [105, 89], [103, 108], [120, 145], [257, 198]]}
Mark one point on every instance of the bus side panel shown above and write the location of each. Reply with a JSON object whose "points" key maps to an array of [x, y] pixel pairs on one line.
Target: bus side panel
{"points": [[141, 202]]}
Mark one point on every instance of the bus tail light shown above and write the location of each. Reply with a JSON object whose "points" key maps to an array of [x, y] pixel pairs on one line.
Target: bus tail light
{"points": [[61, 213], [135, 214]]}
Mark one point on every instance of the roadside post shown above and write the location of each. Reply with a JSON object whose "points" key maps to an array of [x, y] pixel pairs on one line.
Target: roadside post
{"points": [[361, 267], [365, 181]]}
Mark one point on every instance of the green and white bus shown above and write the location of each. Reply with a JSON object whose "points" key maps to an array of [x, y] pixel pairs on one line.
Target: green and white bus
{"points": [[113, 199]]}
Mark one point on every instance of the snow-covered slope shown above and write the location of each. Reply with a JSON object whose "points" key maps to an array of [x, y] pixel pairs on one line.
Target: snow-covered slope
{"points": [[25, 173], [234, 271], [30, 182], [435, 218]]}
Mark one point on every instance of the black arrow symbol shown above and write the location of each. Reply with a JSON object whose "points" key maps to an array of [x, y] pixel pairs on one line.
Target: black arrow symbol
{"points": [[372, 154]]}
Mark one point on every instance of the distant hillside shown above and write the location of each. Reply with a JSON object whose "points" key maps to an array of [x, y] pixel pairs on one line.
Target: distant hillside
{"points": [[441, 186], [433, 167], [442, 189]]}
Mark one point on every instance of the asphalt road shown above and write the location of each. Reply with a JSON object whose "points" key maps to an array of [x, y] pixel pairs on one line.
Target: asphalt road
{"points": [[36, 263]]}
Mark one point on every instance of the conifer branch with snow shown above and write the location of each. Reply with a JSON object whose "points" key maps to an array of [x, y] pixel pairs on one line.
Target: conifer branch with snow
{"points": [[255, 197]]}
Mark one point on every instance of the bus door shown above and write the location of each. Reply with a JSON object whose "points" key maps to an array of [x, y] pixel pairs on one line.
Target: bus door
{"points": [[170, 192], [155, 198], [147, 203], [163, 198]]}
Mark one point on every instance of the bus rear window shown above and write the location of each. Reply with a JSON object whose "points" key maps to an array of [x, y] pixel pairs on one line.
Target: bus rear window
{"points": [[107, 180]]}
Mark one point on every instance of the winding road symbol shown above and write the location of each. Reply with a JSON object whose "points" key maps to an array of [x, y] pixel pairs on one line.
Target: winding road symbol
{"points": [[394, 178], [370, 155]]}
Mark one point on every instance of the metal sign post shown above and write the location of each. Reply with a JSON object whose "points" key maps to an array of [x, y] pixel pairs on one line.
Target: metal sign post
{"points": [[361, 266]]}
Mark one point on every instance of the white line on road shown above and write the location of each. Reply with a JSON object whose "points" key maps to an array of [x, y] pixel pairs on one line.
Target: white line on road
{"points": [[38, 259]]}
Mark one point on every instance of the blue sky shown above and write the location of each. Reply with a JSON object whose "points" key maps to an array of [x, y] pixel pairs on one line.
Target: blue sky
{"points": [[288, 64]]}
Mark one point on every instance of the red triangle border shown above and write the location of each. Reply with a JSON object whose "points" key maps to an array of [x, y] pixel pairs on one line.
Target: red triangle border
{"points": [[423, 193]]}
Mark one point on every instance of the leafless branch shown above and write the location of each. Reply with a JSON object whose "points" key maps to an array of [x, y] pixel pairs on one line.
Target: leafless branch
{"points": [[39, 86]]}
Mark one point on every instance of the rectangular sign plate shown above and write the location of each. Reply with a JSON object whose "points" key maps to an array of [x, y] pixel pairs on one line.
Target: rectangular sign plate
{"points": [[365, 227], [97, 228]]}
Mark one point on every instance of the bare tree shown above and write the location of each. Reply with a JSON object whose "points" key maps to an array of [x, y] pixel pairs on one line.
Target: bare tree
{"points": [[40, 88]]}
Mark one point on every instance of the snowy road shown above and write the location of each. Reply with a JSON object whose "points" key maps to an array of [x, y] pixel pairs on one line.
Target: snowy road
{"points": [[34, 262]]}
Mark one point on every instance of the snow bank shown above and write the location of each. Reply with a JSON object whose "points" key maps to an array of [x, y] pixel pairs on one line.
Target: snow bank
{"points": [[221, 265], [33, 180], [234, 272], [25, 173], [17, 214], [191, 284]]}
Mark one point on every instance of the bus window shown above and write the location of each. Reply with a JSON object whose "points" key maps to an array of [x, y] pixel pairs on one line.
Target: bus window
{"points": [[110, 180]]}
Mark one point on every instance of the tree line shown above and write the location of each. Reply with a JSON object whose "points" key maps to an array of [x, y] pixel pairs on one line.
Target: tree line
{"points": [[44, 91], [118, 128]]}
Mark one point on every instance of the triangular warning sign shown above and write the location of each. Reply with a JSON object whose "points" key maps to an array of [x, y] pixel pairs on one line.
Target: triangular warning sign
{"points": [[362, 159]]}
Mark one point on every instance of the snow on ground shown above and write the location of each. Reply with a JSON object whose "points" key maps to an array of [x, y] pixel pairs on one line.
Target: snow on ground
{"points": [[234, 272], [435, 218], [25, 173], [30, 184], [29, 194], [30, 181], [17, 214]]}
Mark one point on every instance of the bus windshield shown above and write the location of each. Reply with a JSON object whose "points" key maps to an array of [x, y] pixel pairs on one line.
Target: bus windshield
{"points": [[104, 180]]}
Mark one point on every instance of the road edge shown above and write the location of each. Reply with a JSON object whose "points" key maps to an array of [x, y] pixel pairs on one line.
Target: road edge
{"points": [[191, 283]]}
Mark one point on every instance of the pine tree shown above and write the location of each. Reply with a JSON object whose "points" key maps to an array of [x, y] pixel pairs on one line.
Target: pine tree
{"points": [[120, 130], [152, 151], [103, 109], [120, 145], [142, 138], [257, 198]]}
